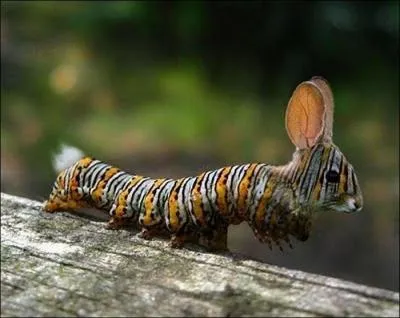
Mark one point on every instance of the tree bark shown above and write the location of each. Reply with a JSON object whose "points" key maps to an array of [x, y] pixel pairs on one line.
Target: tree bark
{"points": [[65, 265]]}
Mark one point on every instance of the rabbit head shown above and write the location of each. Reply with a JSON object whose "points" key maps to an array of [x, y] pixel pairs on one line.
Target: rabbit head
{"points": [[321, 176]]}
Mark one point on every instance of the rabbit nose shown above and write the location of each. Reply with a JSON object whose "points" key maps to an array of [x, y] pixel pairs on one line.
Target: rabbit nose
{"points": [[354, 204], [357, 205]]}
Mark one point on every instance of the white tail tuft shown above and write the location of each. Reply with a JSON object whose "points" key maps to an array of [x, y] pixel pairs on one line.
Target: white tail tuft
{"points": [[67, 156]]}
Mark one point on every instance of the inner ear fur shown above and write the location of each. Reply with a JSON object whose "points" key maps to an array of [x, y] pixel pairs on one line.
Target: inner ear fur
{"points": [[309, 114]]}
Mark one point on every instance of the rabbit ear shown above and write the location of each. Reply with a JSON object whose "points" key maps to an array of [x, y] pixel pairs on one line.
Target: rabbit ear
{"points": [[309, 114], [326, 91]]}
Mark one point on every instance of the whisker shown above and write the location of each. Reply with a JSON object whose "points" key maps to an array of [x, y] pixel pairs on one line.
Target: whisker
{"points": [[287, 240]]}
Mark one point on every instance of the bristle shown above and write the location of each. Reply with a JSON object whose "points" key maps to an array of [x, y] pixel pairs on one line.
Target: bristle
{"points": [[287, 240], [268, 241], [67, 156], [278, 243]]}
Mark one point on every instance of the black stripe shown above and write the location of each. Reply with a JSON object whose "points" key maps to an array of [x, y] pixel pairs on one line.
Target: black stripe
{"points": [[135, 188], [331, 162], [182, 190], [267, 177], [113, 182], [122, 184], [213, 186], [205, 181], [238, 179], [226, 190], [299, 172], [327, 184], [162, 195], [321, 173], [166, 197], [144, 191], [111, 194], [346, 174], [189, 192], [253, 186], [231, 187], [101, 171], [67, 180], [340, 173], [353, 180], [307, 168], [90, 171]]}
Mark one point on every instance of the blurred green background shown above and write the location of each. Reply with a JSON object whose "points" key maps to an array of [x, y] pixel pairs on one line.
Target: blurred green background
{"points": [[176, 88]]}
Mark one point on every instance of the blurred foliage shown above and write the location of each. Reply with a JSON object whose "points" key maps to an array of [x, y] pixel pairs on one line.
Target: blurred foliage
{"points": [[196, 85]]}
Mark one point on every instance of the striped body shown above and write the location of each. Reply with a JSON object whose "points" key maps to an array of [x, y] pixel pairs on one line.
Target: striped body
{"points": [[226, 194], [276, 201]]}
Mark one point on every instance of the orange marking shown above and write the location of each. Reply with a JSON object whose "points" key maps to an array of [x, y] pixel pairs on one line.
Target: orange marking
{"points": [[173, 206], [149, 202], [261, 209], [119, 211], [221, 190], [243, 187], [73, 183], [122, 202], [197, 200], [61, 179], [85, 162], [134, 181], [99, 191]]}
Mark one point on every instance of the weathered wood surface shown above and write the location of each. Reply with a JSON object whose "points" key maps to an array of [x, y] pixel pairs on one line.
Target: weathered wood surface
{"points": [[65, 265]]}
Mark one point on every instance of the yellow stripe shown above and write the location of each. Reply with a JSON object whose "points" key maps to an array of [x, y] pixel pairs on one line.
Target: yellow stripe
{"points": [[98, 192], [123, 196], [134, 180], [173, 206], [262, 206], [221, 190], [85, 162], [197, 200], [243, 187], [149, 202]]}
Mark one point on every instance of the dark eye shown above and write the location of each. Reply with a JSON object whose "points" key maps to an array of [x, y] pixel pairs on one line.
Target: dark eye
{"points": [[332, 176]]}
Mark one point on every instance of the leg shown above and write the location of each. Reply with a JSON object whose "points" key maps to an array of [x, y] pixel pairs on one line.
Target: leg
{"points": [[215, 239], [148, 233], [263, 238], [178, 240], [117, 223]]}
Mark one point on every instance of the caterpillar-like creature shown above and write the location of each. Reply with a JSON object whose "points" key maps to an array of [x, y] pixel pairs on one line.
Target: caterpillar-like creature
{"points": [[276, 201]]}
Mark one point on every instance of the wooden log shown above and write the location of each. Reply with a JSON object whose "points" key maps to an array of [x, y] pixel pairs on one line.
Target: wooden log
{"points": [[64, 265]]}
